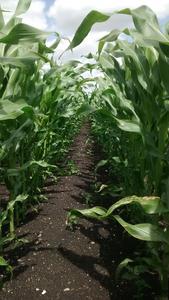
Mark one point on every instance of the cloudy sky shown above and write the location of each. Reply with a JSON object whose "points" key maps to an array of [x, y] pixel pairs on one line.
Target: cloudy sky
{"points": [[64, 16]]}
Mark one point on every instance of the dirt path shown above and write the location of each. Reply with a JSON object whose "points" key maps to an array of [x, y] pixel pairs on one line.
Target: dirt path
{"points": [[57, 263]]}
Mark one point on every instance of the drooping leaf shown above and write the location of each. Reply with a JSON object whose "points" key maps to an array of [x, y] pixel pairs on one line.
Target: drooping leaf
{"points": [[26, 63], [24, 33], [86, 25], [20, 198], [22, 7], [9, 25], [146, 23], [40, 163], [151, 204], [144, 231], [121, 266], [2, 23], [93, 213], [112, 36], [10, 110]]}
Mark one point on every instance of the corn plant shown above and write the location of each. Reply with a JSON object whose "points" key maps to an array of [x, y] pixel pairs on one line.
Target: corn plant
{"points": [[38, 115], [132, 120]]}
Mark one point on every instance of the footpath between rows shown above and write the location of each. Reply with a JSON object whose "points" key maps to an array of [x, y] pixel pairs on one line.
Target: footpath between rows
{"points": [[57, 263]]}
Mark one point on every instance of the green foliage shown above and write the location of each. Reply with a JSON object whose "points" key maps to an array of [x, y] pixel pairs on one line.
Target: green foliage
{"points": [[130, 120], [85, 27], [40, 112]]}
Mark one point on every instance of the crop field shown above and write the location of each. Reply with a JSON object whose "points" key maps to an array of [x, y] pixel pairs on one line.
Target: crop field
{"points": [[84, 162]]}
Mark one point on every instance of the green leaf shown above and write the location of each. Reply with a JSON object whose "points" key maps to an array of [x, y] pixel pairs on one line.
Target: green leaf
{"points": [[22, 7], [56, 43], [2, 23], [146, 23], [19, 198], [164, 69], [18, 135], [3, 262], [5, 240], [19, 62], [106, 61], [128, 125], [165, 49], [143, 17], [25, 34], [10, 110], [151, 204], [9, 25], [100, 164], [86, 25], [144, 231], [32, 163], [111, 36], [93, 213], [122, 265]]}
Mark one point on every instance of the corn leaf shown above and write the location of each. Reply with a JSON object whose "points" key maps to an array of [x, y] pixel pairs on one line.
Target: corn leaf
{"points": [[86, 25], [151, 204], [144, 231], [3, 262], [22, 7], [2, 23], [10, 110], [24, 33]]}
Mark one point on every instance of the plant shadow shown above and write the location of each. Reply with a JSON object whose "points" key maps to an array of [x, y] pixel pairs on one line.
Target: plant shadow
{"points": [[15, 256], [113, 245]]}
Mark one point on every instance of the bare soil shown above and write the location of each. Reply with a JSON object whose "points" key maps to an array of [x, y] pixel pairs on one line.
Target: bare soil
{"points": [[58, 263]]}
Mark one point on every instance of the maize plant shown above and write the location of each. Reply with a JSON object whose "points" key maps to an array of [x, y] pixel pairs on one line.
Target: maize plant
{"points": [[38, 116], [131, 121]]}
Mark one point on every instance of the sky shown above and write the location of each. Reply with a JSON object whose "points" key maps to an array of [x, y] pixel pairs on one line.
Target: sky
{"points": [[64, 16]]}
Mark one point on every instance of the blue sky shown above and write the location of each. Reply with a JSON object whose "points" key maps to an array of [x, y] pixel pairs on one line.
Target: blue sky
{"points": [[49, 2]]}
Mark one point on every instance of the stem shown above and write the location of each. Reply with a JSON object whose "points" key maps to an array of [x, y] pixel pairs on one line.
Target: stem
{"points": [[17, 214], [1, 247], [11, 222]]}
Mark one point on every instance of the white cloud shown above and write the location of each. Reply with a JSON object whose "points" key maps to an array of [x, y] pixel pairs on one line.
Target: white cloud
{"points": [[89, 45], [35, 16], [8, 5], [67, 15], [64, 16]]}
